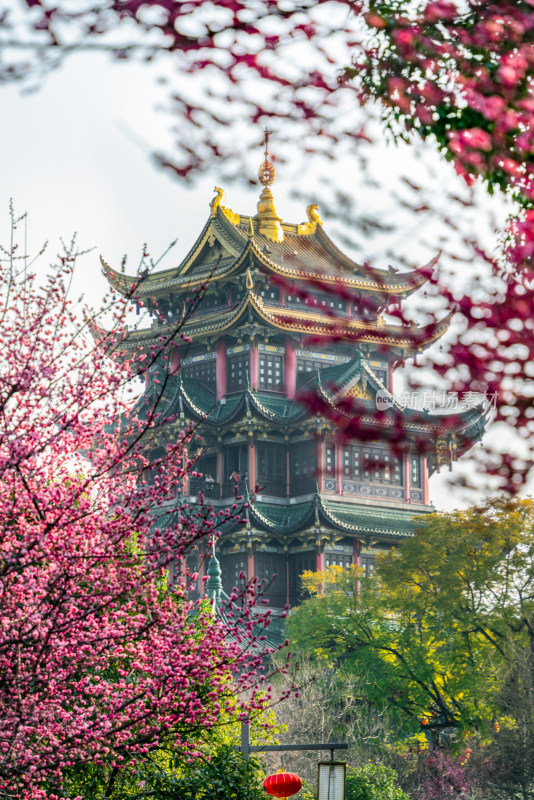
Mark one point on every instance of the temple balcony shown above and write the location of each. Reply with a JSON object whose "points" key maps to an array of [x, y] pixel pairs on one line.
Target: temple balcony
{"points": [[209, 488], [383, 491], [303, 486]]}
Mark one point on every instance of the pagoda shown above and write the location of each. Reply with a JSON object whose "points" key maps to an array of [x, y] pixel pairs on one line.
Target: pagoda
{"points": [[259, 338]]}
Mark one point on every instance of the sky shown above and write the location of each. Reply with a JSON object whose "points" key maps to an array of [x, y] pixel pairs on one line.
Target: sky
{"points": [[76, 158]]}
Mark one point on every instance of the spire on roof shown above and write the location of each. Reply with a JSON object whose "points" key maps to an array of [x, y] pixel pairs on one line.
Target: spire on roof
{"points": [[214, 583], [269, 221]]}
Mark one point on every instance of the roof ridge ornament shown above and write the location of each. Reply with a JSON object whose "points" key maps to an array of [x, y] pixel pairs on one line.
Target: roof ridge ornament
{"points": [[267, 172], [217, 201], [309, 228], [269, 223]]}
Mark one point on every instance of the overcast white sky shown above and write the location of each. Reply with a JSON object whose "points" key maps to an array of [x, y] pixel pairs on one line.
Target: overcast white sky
{"points": [[75, 156]]}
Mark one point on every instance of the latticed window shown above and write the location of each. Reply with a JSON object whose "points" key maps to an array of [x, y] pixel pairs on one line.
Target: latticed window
{"points": [[201, 371], [330, 460], [237, 369], [368, 564], [415, 471], [337, 560], [382, 375], [270, 372], [326, 301], [272, 461], [294, 300], [212, 302], [304, 459], [351, 462], [299, 563], [267, 566], [372, 465], [232, 566], [271, 294], [318, 302]]}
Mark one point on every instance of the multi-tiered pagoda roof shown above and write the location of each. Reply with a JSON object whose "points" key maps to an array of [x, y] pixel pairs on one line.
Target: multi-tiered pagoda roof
{"points": [[232, 248], [268, 311]]}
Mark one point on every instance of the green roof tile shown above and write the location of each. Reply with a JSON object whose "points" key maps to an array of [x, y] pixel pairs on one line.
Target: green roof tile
{"points": [[352, 517], [282, 518], [279, 408], [202, 401], [224, 411], [200, 397], [338, 375]]}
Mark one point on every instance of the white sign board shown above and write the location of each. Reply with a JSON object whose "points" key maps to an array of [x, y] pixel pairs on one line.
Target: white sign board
{"points": [[331, 780]]}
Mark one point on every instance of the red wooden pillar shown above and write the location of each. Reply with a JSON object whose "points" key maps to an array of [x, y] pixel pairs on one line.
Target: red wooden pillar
{"points": [[424, 468], [319, 561], [253, 377], [290, 368], [356, 557], [175, 361], [220, 368], [250, 564], [251, 464], [339, 466], [407, 475]]}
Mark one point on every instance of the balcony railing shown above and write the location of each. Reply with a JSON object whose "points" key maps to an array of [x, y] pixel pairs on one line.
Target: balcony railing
{"points": [[229, 488], [208, 488], [387, 491], [361, 489]]}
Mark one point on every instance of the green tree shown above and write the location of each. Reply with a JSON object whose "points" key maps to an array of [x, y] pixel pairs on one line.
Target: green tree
{"points": [[219, 772], [223, 774], [372, 782], [441, 628]]}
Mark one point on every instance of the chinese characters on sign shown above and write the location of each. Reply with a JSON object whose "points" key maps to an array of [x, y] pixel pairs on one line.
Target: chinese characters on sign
{"points": [[437, 401]]}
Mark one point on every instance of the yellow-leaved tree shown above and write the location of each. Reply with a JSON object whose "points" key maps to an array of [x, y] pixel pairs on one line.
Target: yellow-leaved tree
{"points": [[444, 632]]}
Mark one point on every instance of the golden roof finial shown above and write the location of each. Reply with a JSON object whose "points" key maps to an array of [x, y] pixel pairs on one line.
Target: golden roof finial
{"points": [[267, 172], [269, 223]]}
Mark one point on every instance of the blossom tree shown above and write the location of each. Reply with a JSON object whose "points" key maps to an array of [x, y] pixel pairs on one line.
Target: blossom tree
{"points": [[455, 73], [458, 74], [101, 660]]}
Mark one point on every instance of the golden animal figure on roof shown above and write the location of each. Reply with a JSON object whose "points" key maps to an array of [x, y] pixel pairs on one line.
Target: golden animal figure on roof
{"points": [[217, 200]]}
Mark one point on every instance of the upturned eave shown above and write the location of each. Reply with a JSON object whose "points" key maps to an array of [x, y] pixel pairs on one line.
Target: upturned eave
{"points": [[313, 256], [407, 340]]}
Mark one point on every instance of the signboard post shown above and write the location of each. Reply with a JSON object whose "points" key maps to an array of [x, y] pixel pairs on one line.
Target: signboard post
{"points": [[332, 779]]}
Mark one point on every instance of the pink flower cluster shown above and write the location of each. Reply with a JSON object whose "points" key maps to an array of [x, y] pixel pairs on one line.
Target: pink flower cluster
{"points": [[99, 660], [485, 65]]}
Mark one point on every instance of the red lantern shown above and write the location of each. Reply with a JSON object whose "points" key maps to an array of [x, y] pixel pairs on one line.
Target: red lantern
{"points": [[282, 784]]}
